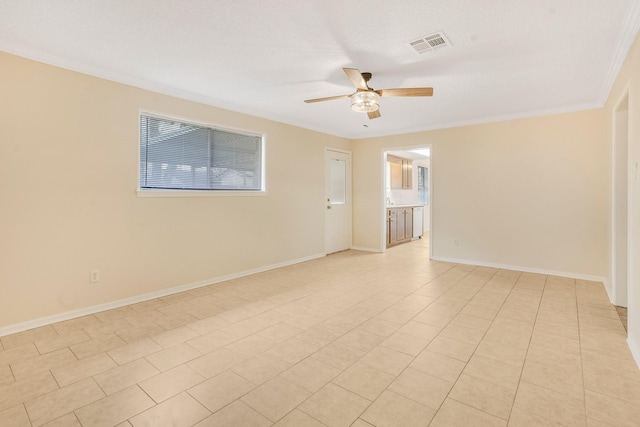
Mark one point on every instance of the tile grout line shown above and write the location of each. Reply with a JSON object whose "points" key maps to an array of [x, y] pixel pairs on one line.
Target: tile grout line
{"points": [[443, 327], [528, 346], [368, 352], [466, 363], [476, 347], [584, 383], [309, 356], [24, 406], [413, 357], [438, 334]]}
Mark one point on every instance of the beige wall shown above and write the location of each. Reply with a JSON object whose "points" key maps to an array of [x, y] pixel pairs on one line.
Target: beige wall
{"points": [[532, 193], [628, 83], [528, 193], [68, 180]]}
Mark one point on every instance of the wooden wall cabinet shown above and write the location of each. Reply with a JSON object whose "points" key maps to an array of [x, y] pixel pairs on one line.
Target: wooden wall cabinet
{"points": [[401, 171]]}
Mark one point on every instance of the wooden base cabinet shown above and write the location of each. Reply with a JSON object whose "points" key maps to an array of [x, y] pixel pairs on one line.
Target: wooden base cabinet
{"points": [[399, 225]]}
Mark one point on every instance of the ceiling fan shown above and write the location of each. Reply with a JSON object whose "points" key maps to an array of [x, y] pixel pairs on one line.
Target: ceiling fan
{"points": [[367, 100]]}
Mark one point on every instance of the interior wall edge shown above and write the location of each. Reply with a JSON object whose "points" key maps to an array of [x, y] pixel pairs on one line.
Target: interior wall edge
{"points": [[87, 311], [608, 287], [635, 349]]}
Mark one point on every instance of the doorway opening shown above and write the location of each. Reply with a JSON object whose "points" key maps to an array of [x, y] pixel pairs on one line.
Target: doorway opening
{"points": [[407, 189]]}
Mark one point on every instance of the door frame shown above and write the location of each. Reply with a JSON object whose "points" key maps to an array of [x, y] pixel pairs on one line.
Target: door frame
{"points": [[383, 193], [349, 195], [621, 203]]}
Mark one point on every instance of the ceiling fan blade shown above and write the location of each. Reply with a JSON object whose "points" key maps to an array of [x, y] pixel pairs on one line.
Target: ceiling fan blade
{"points": [[329, 98], [410, 91], [374, 114], [356, 78]]}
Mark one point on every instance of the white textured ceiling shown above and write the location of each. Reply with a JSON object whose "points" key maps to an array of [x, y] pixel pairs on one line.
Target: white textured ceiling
{"points": [[509, 58]]}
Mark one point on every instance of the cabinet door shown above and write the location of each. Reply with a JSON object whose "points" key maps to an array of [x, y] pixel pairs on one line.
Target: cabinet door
{"points": [[391, 227], [408, 223], [400, 225], [396, 172], [407, 174]]}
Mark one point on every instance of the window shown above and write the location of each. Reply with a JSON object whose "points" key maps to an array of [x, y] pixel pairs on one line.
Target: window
{"points": [[183, 156], [338, 177], [423, 185]]}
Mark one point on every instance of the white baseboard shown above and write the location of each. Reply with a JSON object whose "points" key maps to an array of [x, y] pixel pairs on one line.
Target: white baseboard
{"points": [[362, 248], [635, 349], [522, 268], [68, 315]]}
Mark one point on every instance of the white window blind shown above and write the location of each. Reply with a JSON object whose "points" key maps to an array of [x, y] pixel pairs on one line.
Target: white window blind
{"points": [[184, 156]]}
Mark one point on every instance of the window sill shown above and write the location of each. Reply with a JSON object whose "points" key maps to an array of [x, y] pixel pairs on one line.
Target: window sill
{"points": [[197, 193]]}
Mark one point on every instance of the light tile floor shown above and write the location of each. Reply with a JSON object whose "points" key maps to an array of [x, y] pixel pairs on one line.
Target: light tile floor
{"points": [[352, 339]]}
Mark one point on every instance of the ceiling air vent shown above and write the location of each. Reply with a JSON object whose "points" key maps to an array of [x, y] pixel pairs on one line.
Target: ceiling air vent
{"points": [[430, 43]]}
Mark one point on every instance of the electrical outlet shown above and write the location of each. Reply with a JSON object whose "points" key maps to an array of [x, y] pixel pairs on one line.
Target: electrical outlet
{"points": [[94, 276], [456, 243]]}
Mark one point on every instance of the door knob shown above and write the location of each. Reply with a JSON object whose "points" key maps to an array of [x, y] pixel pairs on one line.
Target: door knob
{"points": [[329, 207]]}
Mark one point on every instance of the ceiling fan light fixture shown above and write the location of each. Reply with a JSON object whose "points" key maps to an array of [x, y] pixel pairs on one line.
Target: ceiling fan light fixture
{"points": [[365, 101]]}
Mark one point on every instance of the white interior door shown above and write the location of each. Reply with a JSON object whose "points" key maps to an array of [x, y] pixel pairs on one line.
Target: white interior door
{"points": [[337, 201]]}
